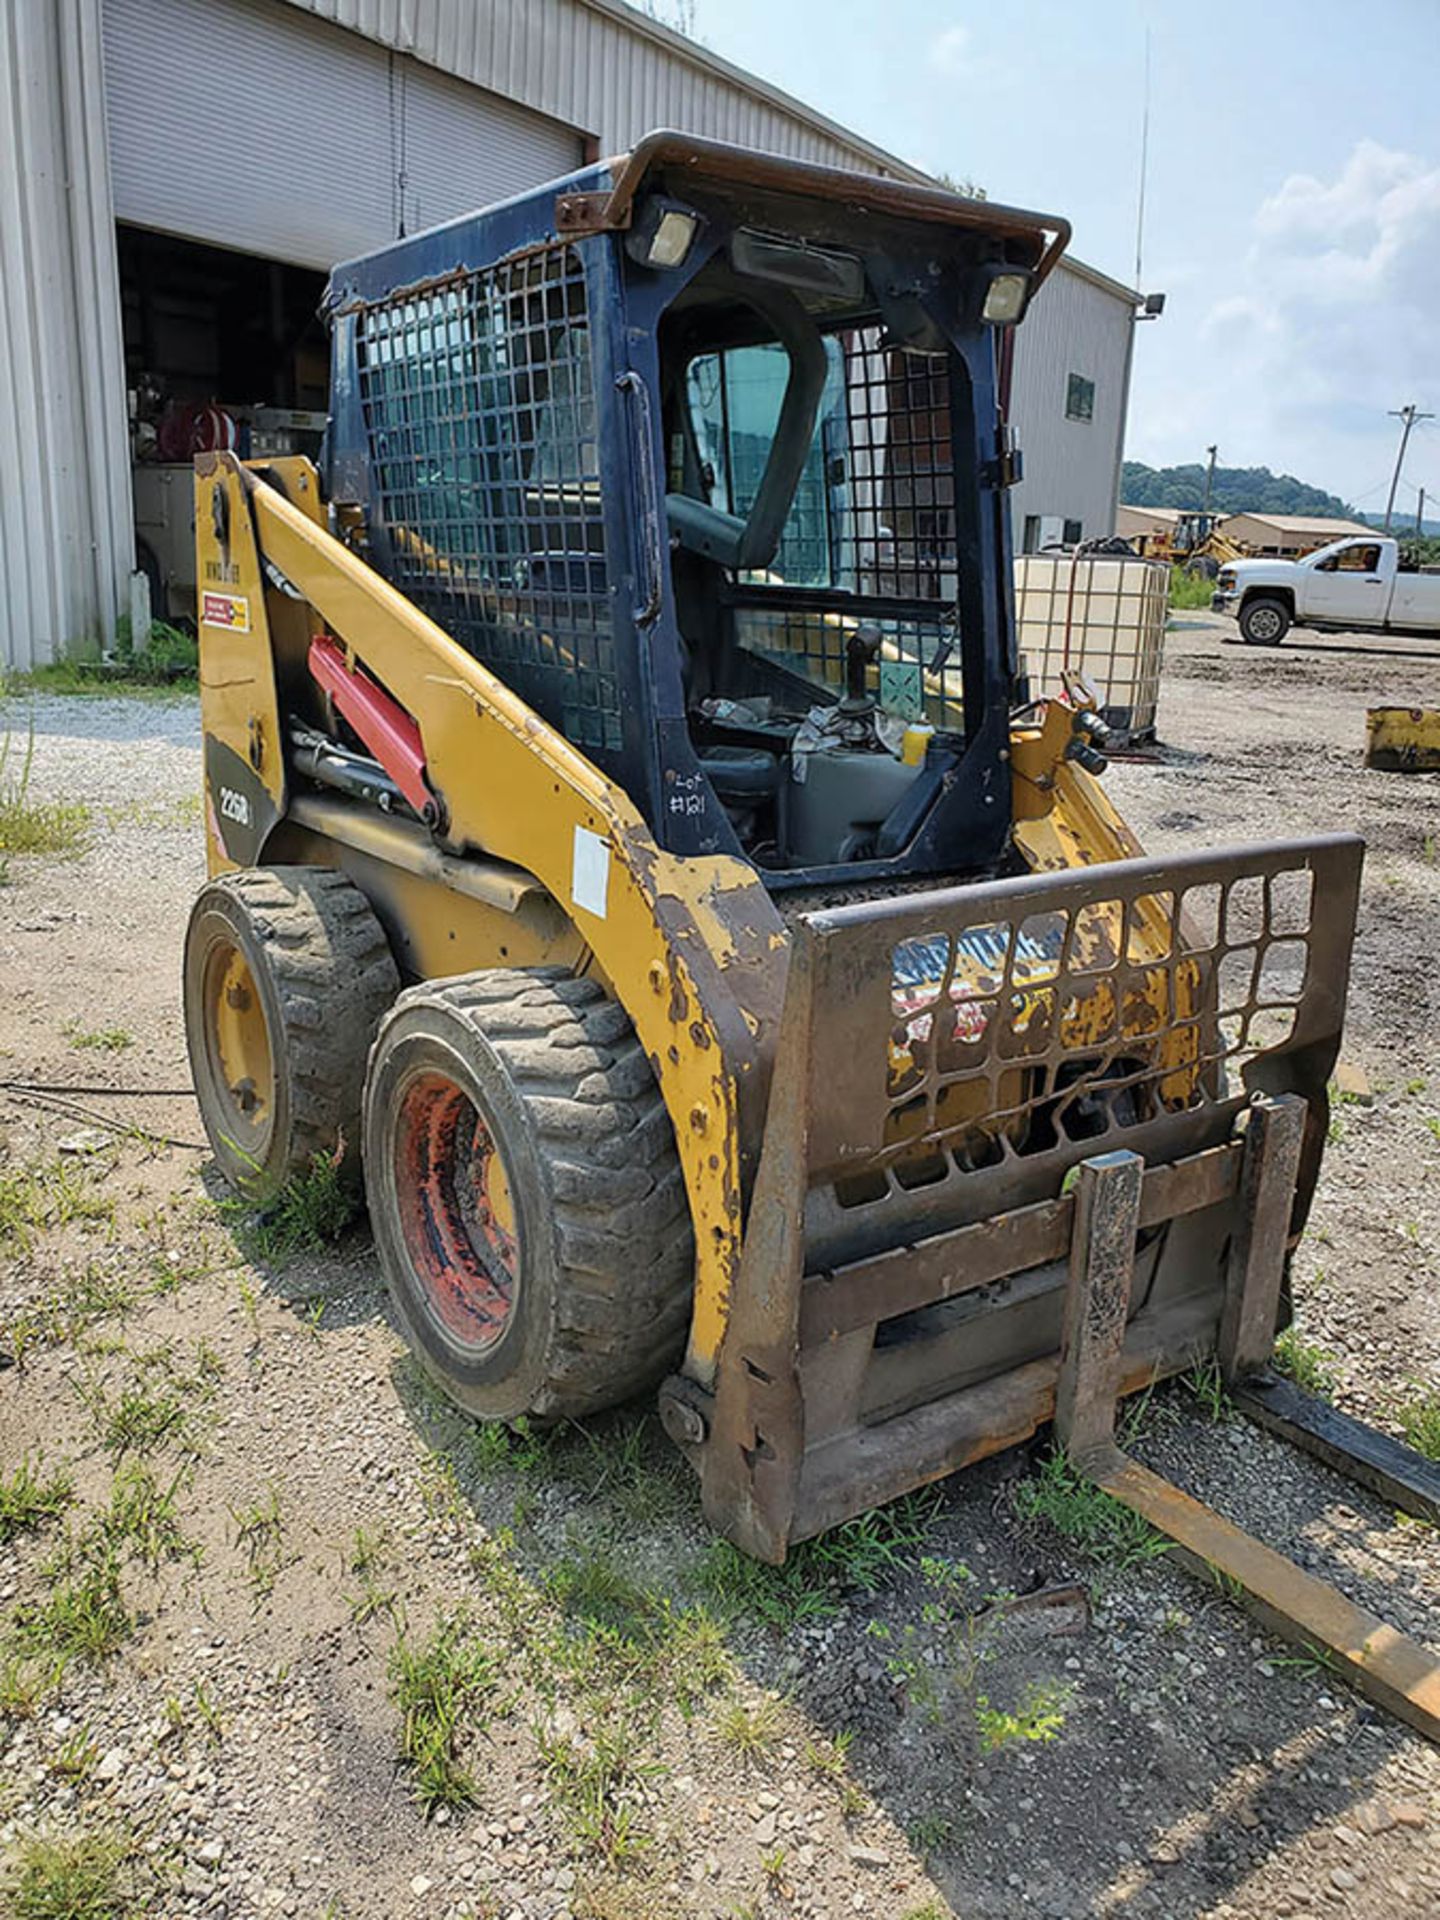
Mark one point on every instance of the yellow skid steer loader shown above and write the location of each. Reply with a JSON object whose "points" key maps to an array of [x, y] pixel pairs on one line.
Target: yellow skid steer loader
{"points": [[627, 848]]}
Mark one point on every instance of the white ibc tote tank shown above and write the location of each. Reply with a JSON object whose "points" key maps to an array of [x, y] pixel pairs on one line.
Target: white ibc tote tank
{"points": [[1103, 615]]}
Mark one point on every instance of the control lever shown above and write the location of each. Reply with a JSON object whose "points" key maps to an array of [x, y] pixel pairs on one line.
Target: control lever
{"points": [[861, 650]]}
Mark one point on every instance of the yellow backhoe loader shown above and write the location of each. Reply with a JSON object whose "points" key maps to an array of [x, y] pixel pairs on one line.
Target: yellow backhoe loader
{"points": [[626, 849]]}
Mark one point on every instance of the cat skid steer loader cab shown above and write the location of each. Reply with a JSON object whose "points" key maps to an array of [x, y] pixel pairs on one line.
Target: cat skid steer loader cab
{"points": [[626, 845]]}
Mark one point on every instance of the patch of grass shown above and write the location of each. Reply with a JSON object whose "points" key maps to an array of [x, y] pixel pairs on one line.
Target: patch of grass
{"points": [[76, 1757], [1189, 591], [857, 1557], [930, 1833], [81, 1873], [36, 1198], [27, 1500], [98, 1039], [1419, 1418], [309, 1213], [596, 1775], [34, 826], [259, 1529], [753, 1732], [1205, 1384], [1035, 1722], [168, 665], [632, 1637], [1087, 1516], [828, 1758], [84, 1616], [1304, 1362], [21, 1688], [143, 1419], [438, 1685], [367, 1560], [143, 1516]]}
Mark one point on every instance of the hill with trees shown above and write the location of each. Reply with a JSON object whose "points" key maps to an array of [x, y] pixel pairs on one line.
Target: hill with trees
{"points": [[1235, 490]]}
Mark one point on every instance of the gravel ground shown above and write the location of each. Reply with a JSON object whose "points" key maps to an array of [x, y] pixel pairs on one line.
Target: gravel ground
{"points": [[836, 1747]]}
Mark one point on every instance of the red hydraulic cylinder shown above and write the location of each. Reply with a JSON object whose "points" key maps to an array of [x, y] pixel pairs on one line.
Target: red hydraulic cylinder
{"points": [[381, 722]]}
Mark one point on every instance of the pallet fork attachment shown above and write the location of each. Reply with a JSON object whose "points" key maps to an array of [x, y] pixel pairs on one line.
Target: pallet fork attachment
{"points": [[1388, 1667]]}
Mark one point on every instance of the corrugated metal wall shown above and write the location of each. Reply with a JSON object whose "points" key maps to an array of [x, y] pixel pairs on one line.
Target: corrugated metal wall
{"points": [[603, 68], [65, 528], [419, 146], [593, 66], [1072, 466]]}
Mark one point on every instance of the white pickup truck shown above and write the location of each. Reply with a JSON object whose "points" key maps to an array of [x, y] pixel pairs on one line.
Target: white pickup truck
{"points": [[1351, 586]]}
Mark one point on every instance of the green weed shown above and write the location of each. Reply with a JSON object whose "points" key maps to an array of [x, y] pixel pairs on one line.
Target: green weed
{"points": [[1307, 1364], [82, 1873], [37, 1198], [753, 1732], [308, 1214], [857, 1557], [596, 1775], [143, 1515], [259, 1528], [27, 1501], [84, 1616], [1087, 1516], [1189, 591], [1205, 1384], [142, 1420], [35, 826], [438, 1685], [930, 1833], [828, 1757], [1419, 1418], [75, 1759], [1035, 1722], [98, 1039]]}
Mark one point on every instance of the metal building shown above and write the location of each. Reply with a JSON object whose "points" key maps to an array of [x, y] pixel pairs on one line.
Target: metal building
{"points": [[177, 175]]}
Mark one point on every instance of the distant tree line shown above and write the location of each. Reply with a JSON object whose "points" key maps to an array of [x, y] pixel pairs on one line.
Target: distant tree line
{"points": [[1235, 490]]}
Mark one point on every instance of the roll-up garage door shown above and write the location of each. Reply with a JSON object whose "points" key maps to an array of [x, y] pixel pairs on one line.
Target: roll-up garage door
{"points": [[250, 124]]}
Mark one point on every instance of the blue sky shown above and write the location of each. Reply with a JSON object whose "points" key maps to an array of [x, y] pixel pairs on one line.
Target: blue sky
{"points": [[1292, 204]]}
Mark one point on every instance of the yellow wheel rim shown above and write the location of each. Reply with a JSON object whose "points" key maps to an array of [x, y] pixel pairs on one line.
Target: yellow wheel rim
{"points": [[238, 1040]]}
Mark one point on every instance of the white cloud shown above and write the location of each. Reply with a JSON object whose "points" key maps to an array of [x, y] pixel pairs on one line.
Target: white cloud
{"points": [[1329, 316], [950, 52]]}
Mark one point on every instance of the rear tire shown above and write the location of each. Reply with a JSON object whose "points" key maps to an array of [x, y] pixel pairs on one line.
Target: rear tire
{"points": [[287, 973], [525, 1194], [1264, 621]]}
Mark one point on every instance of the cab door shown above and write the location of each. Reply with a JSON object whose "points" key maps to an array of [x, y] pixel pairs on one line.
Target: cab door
{"points": [[1346, 586]]}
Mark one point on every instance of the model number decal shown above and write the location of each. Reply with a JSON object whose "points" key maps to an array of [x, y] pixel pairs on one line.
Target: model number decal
{"points": [[230, 610], [234, 806]]}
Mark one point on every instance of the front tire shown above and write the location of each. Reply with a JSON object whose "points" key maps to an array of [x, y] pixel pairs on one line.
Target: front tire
{"points": [[525, 1194], [286, 974], [1264, 621]]}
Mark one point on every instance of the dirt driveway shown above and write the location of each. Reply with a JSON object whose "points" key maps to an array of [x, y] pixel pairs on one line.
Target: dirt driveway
{"points": [[280, 1634]]}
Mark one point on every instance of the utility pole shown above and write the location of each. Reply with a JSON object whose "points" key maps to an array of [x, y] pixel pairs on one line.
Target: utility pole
{"points": [[1408, 415], [1210, 476], [1420, 516]]}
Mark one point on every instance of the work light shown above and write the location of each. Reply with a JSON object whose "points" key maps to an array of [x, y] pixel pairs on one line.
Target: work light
{"points": [[1005, 299]]}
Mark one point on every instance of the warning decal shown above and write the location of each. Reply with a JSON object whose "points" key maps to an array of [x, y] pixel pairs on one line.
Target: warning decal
{"points": [[225, 610]]}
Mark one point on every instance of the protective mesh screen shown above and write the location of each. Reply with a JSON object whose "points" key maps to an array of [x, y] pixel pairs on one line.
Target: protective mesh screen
{"points": [[874, 511], [873, 516], [479, 405]]}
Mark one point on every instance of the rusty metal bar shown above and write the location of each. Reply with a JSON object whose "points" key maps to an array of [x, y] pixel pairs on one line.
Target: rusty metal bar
{"points": [[1385, 1665], [1097, 1301], [1400, 1476], [943, 1265], [1256, 1268]]}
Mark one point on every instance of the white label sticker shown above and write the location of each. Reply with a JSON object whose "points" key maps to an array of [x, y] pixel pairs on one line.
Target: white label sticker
{"points": [[590, 874]]}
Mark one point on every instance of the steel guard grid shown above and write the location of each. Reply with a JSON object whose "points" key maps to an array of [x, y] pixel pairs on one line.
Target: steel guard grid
{"points": [[931, 1132]]}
